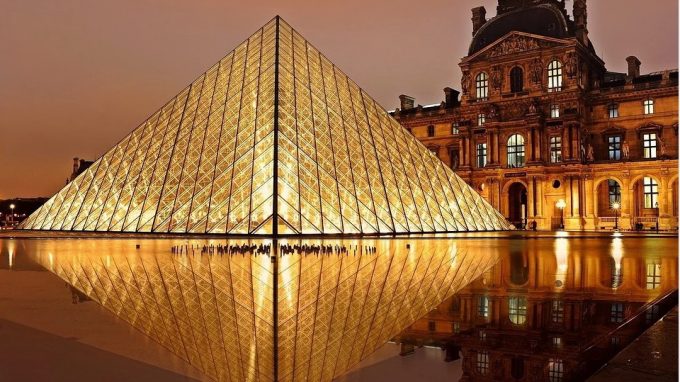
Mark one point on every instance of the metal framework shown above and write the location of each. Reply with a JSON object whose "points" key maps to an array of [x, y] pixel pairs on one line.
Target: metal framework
{"points": [[271, 140]]}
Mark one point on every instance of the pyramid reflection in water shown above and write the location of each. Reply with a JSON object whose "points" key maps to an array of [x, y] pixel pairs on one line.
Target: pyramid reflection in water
{"points": [[273, 139], [221, 313]]}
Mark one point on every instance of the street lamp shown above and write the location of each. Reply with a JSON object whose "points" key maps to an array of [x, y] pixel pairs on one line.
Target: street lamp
{"points": [[616, 206], [561, 204], [11, 207]]}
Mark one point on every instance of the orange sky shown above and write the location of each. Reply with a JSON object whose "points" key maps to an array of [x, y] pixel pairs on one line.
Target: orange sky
{"points": [[77, 76]]}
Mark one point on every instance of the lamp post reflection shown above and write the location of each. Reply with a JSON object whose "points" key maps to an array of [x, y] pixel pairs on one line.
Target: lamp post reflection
{"points": [[561, 204]]}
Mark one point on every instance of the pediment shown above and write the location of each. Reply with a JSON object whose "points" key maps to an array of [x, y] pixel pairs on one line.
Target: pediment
{"points": [[514, 43]]}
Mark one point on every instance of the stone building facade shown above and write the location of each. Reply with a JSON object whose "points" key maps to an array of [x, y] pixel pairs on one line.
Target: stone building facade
{"points": [[545, 133]]}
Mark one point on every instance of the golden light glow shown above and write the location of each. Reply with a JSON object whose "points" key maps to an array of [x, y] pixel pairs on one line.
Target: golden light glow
{"points": [[205, 162], [217, 311], [561, 204]]}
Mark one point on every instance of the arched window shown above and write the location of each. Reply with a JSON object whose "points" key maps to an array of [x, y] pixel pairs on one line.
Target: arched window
{"points": [[516, 79], [516, 151], [482, 86], [554, 76]]}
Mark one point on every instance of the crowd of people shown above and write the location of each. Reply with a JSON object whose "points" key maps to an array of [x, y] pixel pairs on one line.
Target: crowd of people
{"points": [[266, 249]]}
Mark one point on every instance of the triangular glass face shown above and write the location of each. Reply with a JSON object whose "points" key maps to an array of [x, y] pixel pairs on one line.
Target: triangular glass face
{"points": [[246, 317], [273, 139]]}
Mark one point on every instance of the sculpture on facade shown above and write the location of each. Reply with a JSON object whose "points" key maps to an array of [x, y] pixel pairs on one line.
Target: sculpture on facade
{"points": [[626, 150]]}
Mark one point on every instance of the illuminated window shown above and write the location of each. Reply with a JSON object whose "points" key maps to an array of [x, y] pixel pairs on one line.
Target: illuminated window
{"points": [[481, 119], [454, 128], [517, 310], [516, 151], [482, 335], [554, 111], [616, 315], [614, 191], [456, 327], [555, 149], [557, 341], [649, 145], [483, 362], [557, 312], [651, 192], [613, 110], [430, 131], [516, 79], [648, 105], [555, 370], [481, 155], [482, 86], [614, 147], [483, 307], [555, 76], [653, 275]]}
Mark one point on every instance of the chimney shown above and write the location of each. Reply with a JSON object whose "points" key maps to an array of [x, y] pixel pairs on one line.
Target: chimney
{"points": [[581, 21], [451, 97], [478, 18], [76, 164], [406, 102], [633, 66]]}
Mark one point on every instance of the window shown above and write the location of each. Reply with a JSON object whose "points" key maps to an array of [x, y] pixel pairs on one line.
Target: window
{"points": [[652, 314], [555, 149], [430, 131], [614, 147], [481, 155], [614, 191], [557, 341], [431, 326], [651, 192], [613, 110], [482, 335], [649, 145], [516, 79], [557, 312], [482, 86], [516, 151], [653, 275], [648, 106], [483, 362], [456, 327], [483, 307], [454, 128], [555, 370], [554, 76], [615, 341], [481, 119], [616, 316], [517, 310], [554, 111]]}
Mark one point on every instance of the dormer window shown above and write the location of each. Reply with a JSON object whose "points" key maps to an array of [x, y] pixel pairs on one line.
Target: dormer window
{"points": [[482, 86], [516, 79], [554, 76]]}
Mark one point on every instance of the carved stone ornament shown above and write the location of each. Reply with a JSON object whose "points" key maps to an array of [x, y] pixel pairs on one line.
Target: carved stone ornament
{"points": [[513, 44], [465, 82], [496, 77], [571, 66], [536, 71]]}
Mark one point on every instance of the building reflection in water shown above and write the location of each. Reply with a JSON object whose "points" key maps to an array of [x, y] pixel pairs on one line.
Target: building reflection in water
{"points": [[553, 310], [246, 317]]}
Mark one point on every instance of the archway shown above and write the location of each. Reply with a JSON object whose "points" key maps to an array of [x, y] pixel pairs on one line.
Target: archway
{"points": [[608, 193], [517, 205]]}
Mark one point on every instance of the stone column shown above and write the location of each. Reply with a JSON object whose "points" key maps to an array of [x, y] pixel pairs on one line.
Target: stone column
{"points": [[531, 213], [497, 151], [464, 155]]}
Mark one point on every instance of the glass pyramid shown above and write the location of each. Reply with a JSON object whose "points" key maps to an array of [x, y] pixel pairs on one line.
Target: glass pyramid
{"points": [[273, 139], [248, 318]]}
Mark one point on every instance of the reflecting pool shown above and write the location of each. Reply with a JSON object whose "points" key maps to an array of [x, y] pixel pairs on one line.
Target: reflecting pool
{"points": [[258, 310]]}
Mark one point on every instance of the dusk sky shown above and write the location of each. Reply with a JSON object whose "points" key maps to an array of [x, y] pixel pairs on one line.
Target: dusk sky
{"points": [[77, 76]]}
